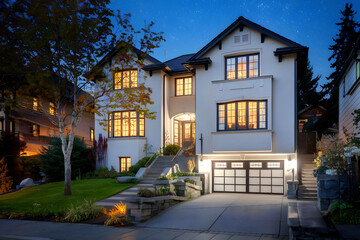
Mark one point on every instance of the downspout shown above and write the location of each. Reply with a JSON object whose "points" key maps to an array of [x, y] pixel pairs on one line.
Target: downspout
{"points": [[163, 109]]}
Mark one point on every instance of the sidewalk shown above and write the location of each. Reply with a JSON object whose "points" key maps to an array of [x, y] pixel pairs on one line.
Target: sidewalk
{"points": [[20, 229]]}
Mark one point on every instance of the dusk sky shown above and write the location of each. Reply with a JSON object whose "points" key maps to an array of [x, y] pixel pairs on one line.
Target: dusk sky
{"points": [[190, 25]]}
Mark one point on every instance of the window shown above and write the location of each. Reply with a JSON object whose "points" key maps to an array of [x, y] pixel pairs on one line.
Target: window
{"points": [[273, 164], [126, 124], [36, 105], [52, 108], [1, 125], [126, 79], [35, 130], [256, 165], [92, 134], [183, 86], [125, 163], [220, 165], [246, 66], [357, 70], [242, 115]]}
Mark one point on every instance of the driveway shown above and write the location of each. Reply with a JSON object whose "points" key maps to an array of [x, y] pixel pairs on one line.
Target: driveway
{"points": [[227, 212]]}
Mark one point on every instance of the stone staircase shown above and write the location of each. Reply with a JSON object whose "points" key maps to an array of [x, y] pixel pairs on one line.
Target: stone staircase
{"points": [[147, 182], [308, 188]]}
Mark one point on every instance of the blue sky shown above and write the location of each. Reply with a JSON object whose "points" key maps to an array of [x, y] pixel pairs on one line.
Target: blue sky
{"points": [[189, 25]]}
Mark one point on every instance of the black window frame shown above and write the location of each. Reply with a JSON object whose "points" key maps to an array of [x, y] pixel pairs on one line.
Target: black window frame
{"points": [[183, 80], [126, 165], [130, 86], [247, 116], [247, 65], [112, 130]]}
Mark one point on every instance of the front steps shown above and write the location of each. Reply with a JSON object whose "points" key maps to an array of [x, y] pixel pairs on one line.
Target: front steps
{"points": [[308, 188]]}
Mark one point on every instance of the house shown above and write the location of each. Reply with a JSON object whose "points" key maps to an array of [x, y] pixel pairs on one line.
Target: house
{"points": [[349, 92], [309, 115], [235, 99], [31, 123]]}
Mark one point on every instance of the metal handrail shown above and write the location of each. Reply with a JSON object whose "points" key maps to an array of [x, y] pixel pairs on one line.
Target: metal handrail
{"points": [[177, 154], [152, 158]]}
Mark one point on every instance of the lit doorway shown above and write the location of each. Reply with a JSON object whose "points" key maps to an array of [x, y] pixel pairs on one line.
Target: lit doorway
{"points": [[184, 128]]}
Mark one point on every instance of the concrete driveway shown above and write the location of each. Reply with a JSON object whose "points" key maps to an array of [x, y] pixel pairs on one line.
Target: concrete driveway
{"points": [[227, 212]]}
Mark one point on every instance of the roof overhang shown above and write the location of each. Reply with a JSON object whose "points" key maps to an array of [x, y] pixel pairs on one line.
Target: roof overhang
{"points": [[197, 62]]}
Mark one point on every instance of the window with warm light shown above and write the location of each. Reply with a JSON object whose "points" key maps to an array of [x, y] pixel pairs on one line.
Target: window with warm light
{"points": [[242, 115], [126, 79], [92, 134], [52, 108], [35, 130], [35, 104], [1, 125], [125, 163], [183, 86], [126, 124], [245, 66], [357, 70]]}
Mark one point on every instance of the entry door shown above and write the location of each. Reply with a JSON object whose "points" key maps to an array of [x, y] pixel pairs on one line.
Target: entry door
{"points": [[183, 132], [248, 176]]}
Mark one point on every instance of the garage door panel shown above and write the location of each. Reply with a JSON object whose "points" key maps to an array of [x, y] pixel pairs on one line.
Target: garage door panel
{"points": [[266, 189], [241, 181], [218, 180], [265, 173], [230, 173], [277, 181], [254, 188], [218, 172], [277, 173], [240, 173], [277, 189], [254, 173], [219, 188], [265, 181], [240, 188], [229, 180], [254, 180], [229, 188]]}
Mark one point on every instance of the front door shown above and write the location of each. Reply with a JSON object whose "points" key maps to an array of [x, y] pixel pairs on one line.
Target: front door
{"points": [[184, 131]]}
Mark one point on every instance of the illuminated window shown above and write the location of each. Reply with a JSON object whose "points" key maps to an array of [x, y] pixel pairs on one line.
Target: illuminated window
{"points": [[52, 108], [183, 86], [273, 164], [35, 104], [256, 165], [126, 124], [35, 130], [176, 132], [125, 79], [92, 134], [1, 125], [242, 115], [237, 165], [220, 165], [125, 163], [242, 66]]}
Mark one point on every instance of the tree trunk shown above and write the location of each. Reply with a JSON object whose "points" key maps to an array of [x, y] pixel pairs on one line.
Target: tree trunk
{"points": [[67, 165]]}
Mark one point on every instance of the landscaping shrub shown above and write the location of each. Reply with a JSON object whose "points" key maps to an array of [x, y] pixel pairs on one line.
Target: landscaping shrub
{"points": [[117, 216], [52, 159], [192, 181], [144, 192], [31, 167], [171, 149], [168, 177], [345, 213], [165, 191], [83, 212], [106, 173], [5, 180], [141, 163], [183, 174]]}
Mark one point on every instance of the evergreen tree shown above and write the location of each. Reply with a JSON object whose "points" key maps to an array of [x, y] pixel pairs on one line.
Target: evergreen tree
{"points": [[5, 180], [343, 43], [307, 94]]}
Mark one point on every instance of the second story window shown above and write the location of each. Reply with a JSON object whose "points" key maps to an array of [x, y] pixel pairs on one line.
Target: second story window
{"points": [[126, 79], [36, 104], [52, 108], [242, 115], [245, 66], [183, 86], [35, 130], [126, 124], [92, 134]]}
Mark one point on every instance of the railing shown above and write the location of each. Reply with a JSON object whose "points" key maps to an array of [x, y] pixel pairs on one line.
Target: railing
{"points": [[152, 158]]}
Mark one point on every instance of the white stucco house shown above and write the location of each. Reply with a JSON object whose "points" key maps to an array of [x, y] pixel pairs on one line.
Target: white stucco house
{"points": [[235, 98], [349, 92]]}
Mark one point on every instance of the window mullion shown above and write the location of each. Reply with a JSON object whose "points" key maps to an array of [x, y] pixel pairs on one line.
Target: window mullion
{"points": [[247, 114], [247, 66], [236, 116], [225, 115], [257, 115], [236, 68]]}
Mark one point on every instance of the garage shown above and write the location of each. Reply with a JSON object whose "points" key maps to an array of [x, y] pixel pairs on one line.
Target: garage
{"points": [[248, 176]]}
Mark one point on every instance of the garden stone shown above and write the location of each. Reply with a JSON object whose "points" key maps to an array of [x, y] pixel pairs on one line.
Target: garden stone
{"points": [[28, 182]]}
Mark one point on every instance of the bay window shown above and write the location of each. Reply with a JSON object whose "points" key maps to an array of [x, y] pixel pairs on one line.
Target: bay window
{"points": [[245, 66], [242, 115], [126, 124]]}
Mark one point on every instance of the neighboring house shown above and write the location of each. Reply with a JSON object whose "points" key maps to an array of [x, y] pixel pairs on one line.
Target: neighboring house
{"points": [[30, 123], [235, 98], [349, 92], [308, 116]]}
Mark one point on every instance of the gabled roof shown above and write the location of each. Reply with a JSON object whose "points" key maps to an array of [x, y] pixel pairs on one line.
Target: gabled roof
{"points": [[172, 65], [240, 23]]}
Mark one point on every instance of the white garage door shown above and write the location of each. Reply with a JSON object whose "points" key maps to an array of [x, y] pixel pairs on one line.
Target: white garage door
{"points": [[248, 176]]}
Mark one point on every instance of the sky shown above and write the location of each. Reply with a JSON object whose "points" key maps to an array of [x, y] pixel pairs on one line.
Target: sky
{"points": [[188, 25]]}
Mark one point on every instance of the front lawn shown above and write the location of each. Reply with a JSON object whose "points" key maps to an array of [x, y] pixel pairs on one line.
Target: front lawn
{"points": [[49, 198]]}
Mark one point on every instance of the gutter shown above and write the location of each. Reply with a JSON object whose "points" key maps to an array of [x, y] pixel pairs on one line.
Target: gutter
{"points": [[164, 110]]}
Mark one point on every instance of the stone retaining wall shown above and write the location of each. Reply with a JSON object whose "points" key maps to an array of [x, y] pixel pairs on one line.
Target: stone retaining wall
{"points": [[328, 189]]}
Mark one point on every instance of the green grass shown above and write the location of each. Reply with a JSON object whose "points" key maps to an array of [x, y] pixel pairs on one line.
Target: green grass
{"points": [[49, 198]]}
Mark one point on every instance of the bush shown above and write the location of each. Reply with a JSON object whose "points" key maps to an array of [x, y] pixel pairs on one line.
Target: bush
{"points": [[144, 192], [141, 163], [345, 213], [117, 220], [52, 159], [31, 167], [5, 180], [165, 191], [83, 212], [171, 149], [192, 181], [106, 173], [183, 174], [168, 177]]}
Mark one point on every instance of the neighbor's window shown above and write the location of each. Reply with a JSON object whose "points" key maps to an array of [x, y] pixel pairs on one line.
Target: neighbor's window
{"points": [[357, 70], [35, 104], [126, 124], [183, 86], [125, 163], [52, 108], [242, 115], [126, 79], [245, 66], [92, 134], [35, 130], [1, 126]]}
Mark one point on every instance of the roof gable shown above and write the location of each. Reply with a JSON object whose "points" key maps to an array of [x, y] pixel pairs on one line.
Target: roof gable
{"points": [[240, 23]]}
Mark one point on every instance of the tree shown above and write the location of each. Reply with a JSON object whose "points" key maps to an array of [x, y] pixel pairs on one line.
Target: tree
{"points": [[62, 41], [343, 43], [307, 94], [5, 180]]}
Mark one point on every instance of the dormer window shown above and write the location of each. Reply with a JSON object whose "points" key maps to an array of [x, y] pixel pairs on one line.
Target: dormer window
{"points": [[126, 79], [244, 66], [52, 108]]}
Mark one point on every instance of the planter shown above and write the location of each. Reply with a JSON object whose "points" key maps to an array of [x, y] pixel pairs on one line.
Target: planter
{"points": [[329, 189], [292, 189], [187, 189], [164, 183]]}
